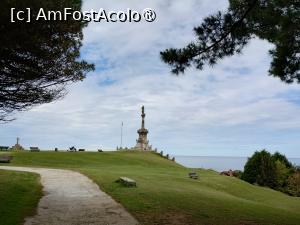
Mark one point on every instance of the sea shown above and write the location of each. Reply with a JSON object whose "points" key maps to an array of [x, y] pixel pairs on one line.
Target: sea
{"points": [[218, 163]]}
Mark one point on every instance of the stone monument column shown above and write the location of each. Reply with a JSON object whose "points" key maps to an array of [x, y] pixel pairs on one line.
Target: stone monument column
{"points": [[142, 142]]}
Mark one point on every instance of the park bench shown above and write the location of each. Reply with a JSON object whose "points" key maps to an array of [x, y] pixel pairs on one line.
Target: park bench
{"points": [[126, 182], [81, 150], [4, 148], [193, 175], [34, 149], [100, 150], [5, 158]]}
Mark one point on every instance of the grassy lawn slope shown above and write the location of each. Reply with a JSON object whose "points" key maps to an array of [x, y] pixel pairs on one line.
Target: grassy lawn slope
{"points": [[19, 196], [165, 195]]}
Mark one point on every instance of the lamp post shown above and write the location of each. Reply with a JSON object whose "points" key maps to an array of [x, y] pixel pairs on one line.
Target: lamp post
{"points": [[121, 134]]}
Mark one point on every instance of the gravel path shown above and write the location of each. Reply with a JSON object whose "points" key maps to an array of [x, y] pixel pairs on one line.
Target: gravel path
{"points": [[71, 198]]}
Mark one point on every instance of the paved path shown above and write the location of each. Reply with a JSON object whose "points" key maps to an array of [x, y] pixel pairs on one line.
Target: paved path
{"points": [[71, 198]]}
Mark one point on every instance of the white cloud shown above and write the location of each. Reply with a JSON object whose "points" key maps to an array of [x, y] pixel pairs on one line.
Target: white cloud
{"points": [[231, 109]]}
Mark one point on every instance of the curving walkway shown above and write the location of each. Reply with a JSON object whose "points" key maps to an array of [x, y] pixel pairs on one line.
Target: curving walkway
{"points": [[71, 198]]}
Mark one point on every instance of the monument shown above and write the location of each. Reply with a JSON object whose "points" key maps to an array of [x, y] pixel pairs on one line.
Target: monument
{"points": [[17, 146], [142, 142]]}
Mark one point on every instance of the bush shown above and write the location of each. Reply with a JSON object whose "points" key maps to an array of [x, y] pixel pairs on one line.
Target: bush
{"points": [[293, 184], [238, 174], [282, 175]]}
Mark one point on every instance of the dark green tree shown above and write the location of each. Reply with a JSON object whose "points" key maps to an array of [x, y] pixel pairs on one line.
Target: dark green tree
{"points": [[226, 34], [260, 169], [38, 59], [282, 158]]}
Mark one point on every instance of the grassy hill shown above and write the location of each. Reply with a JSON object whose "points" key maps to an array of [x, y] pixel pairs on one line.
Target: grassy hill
{"points": [[165, 195], [19, 196]]}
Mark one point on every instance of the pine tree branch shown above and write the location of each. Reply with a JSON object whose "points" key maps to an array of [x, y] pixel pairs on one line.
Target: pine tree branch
{"points": [[232, 28]]}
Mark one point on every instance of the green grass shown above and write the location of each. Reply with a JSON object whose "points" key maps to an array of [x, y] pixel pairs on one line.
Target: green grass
{"points": [[19, 196], [165, 195]]}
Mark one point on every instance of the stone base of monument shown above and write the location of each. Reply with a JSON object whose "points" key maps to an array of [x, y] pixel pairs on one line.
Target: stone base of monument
{"points": [[141, 149], [17, 147]]}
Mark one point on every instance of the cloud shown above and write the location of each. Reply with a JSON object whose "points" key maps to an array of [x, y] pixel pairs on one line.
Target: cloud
{"points": [[233, 108]]}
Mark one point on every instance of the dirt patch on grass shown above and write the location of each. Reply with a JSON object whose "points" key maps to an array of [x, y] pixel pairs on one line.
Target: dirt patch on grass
{"points": [[167, 218]]}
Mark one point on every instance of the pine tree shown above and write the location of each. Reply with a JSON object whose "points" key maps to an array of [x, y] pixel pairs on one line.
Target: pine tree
{"points": [[226, 34], [38, 59]]}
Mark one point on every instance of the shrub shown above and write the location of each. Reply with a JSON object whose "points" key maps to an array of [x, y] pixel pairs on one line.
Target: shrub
{"points": [[293, 184], [282, 175]]}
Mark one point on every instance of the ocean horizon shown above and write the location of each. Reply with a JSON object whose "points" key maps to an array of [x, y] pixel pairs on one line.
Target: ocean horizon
{"points": [[219, 163]]}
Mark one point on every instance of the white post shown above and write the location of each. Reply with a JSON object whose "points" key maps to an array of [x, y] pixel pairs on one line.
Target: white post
{"points": [[121, 134]]}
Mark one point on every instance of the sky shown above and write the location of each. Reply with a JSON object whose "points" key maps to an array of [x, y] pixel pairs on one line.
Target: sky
{"points": [[232, 109]]}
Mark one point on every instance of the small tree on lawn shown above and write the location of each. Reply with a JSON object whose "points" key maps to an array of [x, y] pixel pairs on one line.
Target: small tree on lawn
{"points": [[260, 169]]}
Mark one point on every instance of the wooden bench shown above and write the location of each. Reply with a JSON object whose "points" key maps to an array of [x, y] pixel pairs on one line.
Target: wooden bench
{"points": [[4, 148], [34, 149], [193, 175], [126, 182], [81, 150], [5, 158]]}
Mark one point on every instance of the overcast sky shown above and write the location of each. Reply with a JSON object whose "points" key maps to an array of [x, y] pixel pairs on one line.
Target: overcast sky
{"points": [[232, 109]]}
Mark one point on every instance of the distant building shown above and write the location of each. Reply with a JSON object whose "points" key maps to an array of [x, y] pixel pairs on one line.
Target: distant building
{"points": [[142, 142]]}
